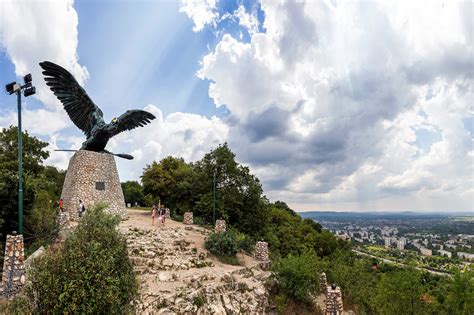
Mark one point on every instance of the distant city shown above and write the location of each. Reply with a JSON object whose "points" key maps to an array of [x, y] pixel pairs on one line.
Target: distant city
{"points": [[436, 242]]}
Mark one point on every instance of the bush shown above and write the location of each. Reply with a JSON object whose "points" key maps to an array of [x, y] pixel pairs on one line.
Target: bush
{"points": [[178, 218], [89, 273], [222, 244], [244, 242], [297, 276]]}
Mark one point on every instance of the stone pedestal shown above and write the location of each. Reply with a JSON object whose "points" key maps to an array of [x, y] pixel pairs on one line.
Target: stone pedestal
{"points": [[93, 178], [13, 276], [334, 301], [261, 251], [323, 283], [188, 218], [261, 254], [220, 226]]}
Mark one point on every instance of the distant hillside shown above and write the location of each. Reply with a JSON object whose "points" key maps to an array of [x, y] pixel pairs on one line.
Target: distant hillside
{"points": [[349, 216]]}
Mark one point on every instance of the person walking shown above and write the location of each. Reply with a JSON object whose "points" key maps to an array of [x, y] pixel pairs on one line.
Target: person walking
{"points": [[154, 213], [163, 215], [61, 205], [82, 208]]}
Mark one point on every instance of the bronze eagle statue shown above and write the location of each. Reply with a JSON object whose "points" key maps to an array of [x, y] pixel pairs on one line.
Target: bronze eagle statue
{"points": [[85, 114]]}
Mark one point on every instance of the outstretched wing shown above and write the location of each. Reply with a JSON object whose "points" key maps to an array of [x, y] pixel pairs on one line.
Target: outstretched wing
{"points": [[132, 119], [78, 105]]}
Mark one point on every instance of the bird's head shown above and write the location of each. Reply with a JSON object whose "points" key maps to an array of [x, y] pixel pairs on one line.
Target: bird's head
{"points": [[114, 121]]}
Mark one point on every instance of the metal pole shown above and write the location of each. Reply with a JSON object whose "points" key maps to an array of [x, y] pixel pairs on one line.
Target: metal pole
{"points": [[20, 167], [214, 210]]}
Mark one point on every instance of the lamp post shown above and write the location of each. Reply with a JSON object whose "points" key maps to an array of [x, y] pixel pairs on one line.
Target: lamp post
{"points": [[28, 89], [214, 198]]}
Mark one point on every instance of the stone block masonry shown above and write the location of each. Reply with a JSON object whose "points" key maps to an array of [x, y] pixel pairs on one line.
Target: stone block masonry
{"points": [[334, 301], [261, 254], [261, 251], [220, 226], [188, 218], [323, 283], [13, 276], [93, 178]]}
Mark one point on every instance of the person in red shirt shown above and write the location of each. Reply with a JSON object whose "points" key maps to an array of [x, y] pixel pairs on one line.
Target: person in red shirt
{"points": [[61, 205]]}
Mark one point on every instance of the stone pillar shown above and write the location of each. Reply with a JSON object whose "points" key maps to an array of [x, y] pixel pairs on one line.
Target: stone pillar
{"points": [[220, 226], [13, 266], [323, 283], [261, 254], [93, 178], [188, 218], [168, 213], [334, 301]]}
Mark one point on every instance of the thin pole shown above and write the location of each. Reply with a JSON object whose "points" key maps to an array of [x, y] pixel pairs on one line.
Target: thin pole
{"points": [[214, 207], [20, 167]]}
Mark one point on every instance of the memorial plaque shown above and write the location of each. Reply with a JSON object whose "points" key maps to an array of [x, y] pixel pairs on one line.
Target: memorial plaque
{"points": [[100, 185]]}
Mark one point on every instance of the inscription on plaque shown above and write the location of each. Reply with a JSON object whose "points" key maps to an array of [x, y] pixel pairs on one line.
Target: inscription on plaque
{"points": [[100, 185]]}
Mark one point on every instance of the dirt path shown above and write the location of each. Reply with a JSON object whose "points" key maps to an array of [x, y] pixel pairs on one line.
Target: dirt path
{"points": [[177, 275]]}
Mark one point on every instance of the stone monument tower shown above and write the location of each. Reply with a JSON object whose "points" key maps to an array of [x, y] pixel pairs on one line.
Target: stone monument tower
{"points": [[92, 174], [93, 178]]}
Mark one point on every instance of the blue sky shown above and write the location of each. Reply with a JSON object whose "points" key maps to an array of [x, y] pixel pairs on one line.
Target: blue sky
{"points": [[333, 105]]}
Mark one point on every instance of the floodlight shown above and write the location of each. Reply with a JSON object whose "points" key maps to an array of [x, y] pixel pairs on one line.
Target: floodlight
{"points": [[29, 91], [12, 87], [27, 78]]}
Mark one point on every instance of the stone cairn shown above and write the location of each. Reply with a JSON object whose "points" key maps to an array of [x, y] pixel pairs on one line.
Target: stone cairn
{"points": [[261, 254], [334, 300], [188, 218], [323, 283], [220, 226], [13, 266]]}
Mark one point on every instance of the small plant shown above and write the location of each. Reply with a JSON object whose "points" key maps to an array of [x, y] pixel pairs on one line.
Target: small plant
{"points": [[199, 220], [198, 301], [222, 244]]}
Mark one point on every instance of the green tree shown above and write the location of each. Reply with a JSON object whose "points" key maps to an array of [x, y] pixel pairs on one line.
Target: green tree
{"points": [[133, 193], [460, 297], [399, 292], [298, 276], [170, 180], [34, 154], [239, 194]]}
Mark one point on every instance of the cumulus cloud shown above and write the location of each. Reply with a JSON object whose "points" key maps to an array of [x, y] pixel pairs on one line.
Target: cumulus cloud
{"points": [[31, 32], [34, 31], [186, 135], [332, 95], [202, 12]]}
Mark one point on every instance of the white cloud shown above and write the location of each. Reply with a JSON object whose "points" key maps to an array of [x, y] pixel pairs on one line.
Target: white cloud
{"points": [[202, 12], [34, 31], [331, 97], [31, 32], [185, 135]]}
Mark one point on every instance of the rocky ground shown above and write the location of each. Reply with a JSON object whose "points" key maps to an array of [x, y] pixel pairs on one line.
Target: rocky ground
{"points": [[179, 276]]}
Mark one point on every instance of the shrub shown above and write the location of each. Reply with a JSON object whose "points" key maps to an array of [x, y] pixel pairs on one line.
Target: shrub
{"points": [[244, 242], [199, 220], [89, 273], [19, 305], [297, 276], [222, 244], [178, 218]]}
